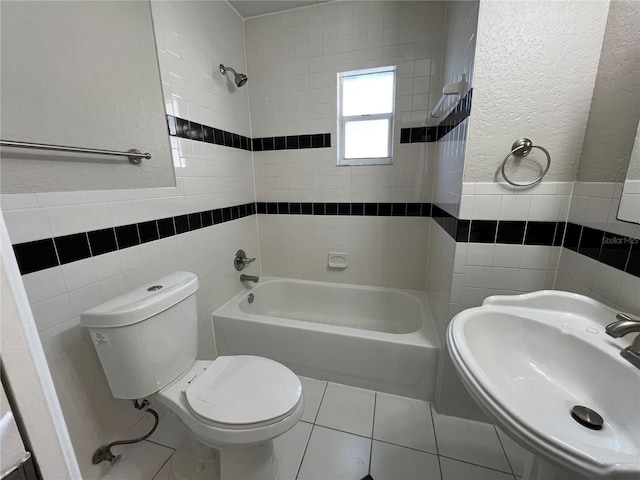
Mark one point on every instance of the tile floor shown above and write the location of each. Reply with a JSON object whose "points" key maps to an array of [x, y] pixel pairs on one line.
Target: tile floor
{"points": [[347, 433]]}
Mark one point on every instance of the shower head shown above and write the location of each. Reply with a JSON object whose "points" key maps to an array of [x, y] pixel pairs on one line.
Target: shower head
{"points": [[240, 78]]}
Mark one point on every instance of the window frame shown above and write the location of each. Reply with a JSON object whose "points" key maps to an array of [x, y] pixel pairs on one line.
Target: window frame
{"points": [[388, 160]]}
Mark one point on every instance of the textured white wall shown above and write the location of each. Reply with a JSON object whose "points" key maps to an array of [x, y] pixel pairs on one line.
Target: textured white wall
{"points": [[615, 107], [535, 70], [82, 74]]}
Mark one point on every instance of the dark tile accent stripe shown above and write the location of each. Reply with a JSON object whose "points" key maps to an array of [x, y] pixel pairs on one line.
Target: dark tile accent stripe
{"points": [[511, 232], [179, 127], [418, 134], [349, 209], [102, 241], [457, 116], [433, 134], [71, 248], [617, 251], [540, 233], [34, 256], [51, 252]]}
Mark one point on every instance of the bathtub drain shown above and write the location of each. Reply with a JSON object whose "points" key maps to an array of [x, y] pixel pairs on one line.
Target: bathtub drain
{"points": [[250, 298]]}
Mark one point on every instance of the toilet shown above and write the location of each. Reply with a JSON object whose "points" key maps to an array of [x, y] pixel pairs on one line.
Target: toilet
{"points": [[233, 406]]}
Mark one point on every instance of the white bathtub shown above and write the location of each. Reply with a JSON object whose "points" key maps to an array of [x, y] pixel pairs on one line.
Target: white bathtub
{"points": [[376, 338]]}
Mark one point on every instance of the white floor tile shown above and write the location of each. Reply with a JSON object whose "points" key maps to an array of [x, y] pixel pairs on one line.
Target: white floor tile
{"points": [[165, 472], [404, 421], [399, 463], [470, 441], [454, 470], [168, 433], [313, 390], [289, 449], [347, 408], [515, 453], [140, 461], [335, 455]]}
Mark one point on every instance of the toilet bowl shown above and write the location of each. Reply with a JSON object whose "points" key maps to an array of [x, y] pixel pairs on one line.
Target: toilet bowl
{"points": [[233, 406], [237, 406]]}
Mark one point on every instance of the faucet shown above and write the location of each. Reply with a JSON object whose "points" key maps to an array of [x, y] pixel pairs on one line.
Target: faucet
{"points": [[255, 278], [624, 325]]}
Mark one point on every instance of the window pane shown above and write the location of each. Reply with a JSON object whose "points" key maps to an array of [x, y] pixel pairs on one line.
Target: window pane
{"points": [[366, 94], [366, 139]]}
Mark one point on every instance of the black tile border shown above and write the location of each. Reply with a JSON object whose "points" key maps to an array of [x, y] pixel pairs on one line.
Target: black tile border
{"points": [[418, 134], [182, 128], [433, 134], [52, 252], [355, 209], [617, 251]]}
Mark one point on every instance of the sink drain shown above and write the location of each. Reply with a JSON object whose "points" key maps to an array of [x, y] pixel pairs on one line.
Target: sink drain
{"points": [[587, 417]]}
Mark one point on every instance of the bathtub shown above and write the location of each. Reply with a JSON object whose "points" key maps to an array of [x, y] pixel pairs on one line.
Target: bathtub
{"points": [[376, 338]]}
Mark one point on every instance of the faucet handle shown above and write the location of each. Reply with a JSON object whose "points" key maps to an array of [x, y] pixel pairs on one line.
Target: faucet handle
{"points": [[241, 260], [626, 318]]}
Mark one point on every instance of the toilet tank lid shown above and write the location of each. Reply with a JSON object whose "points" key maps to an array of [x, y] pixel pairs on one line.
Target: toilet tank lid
{"points": [[143, 302]]}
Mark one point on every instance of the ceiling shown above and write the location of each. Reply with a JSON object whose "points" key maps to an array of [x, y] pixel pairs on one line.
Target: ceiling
{"points": [[254, 8]]}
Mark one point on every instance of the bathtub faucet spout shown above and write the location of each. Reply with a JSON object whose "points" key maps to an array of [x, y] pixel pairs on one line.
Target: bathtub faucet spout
{"points": [[249, 278]]}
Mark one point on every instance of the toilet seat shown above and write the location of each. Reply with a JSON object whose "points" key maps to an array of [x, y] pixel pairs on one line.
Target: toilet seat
{"points": [[243, 392]]}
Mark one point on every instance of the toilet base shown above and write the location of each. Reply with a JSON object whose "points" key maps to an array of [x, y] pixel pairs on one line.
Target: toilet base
{"points": [[193, 460], [256, 462]]}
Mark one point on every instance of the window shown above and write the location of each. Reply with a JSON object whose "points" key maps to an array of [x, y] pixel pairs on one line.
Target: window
{"points": [[366, 104]]}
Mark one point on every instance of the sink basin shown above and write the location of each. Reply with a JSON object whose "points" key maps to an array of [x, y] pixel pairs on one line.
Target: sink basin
{"points": [[528, 359]]}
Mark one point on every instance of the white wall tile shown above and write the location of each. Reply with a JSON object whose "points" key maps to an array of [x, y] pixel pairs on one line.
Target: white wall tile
{"points": [[44, 284], [66, 220], [27, 224]]}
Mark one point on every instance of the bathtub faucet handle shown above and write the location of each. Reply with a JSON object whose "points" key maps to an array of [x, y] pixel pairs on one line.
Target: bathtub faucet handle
{"points": [[241, 260]]}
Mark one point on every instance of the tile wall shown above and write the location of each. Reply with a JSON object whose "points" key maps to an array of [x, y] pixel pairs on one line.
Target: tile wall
{"points": [[446, 184], [192, 38], [293, 58], [609, 269]]}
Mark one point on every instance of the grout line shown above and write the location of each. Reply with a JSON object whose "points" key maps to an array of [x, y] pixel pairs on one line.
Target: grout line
{"points": [[373, 425], [348, 433], [315, 419], [404, 446], [504, 450], [160, 444], [435, 438], [162, 466], [313, 426], [305, 452], [476, 464], [433, 425]]}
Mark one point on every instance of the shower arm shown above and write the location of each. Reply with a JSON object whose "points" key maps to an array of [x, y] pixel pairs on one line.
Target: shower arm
{"points": [[224, 69]]}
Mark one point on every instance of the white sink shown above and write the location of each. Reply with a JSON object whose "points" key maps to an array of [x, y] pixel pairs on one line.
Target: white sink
{"points": [[528, 359]]}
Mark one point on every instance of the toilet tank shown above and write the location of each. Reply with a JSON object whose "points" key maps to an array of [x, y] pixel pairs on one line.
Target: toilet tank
{"points": [[147, 337]]}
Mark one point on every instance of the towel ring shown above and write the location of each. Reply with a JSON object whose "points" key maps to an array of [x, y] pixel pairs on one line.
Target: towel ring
{"points": [[522, 148]]}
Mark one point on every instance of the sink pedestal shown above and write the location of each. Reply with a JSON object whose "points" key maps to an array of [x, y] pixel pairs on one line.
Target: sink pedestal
{"points": [[537, 469]]}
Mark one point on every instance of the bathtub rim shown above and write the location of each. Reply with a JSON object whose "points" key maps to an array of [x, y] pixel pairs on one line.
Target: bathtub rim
{"points": [[425, 336]]}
